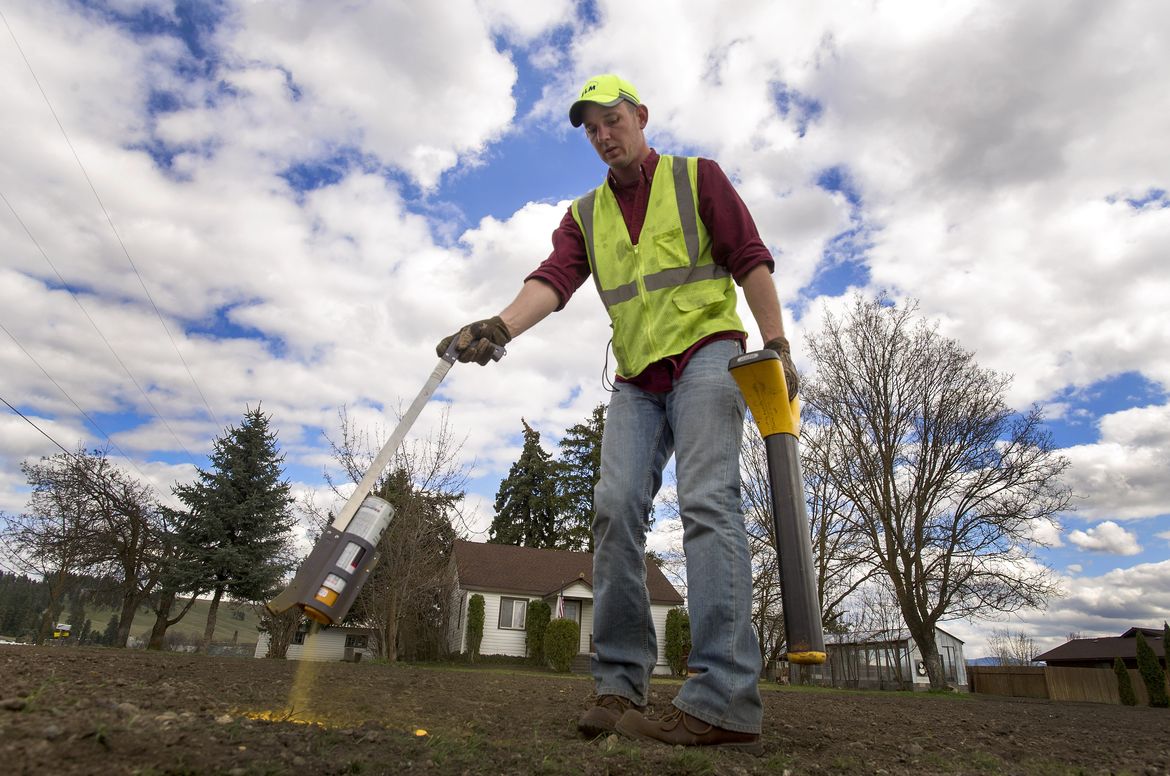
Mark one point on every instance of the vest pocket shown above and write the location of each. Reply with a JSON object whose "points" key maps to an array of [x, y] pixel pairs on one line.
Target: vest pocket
{"points": [[670, 249], [691, 299]]}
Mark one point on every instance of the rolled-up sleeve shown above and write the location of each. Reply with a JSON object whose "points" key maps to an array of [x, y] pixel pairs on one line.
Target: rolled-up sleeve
{"points": [[735, 241], [567, 267]]}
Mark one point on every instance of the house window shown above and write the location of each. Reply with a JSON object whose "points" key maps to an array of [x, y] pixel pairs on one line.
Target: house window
{"points": [[512, 613], [357, 640], [299, 637]]}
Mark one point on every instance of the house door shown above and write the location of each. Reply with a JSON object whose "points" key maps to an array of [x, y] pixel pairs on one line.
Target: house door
{"points": [[573, 611]]}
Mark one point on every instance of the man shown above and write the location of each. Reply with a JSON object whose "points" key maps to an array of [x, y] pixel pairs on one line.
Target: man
{"points": [[666, 239]]}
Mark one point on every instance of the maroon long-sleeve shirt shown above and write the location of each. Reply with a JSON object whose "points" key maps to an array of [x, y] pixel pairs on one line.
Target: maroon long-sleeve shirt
{"points": [[735, 244]]}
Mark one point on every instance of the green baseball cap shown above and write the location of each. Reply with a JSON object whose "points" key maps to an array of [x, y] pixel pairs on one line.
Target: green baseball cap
{"points": [[606, 90]]}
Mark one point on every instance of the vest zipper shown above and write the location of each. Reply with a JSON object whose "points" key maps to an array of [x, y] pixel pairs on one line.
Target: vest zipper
{"points": [[644, 298]]}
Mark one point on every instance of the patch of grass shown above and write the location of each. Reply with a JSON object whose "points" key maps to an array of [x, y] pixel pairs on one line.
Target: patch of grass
{"points": [[693, 761], [468, 748], [778, 763], [34, 697]]}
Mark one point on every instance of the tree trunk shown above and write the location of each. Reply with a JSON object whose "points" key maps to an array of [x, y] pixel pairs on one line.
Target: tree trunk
{"points": [[934, 669], [158, 633], [130, 603], [163, 619], [388, 632], [212, 611]]}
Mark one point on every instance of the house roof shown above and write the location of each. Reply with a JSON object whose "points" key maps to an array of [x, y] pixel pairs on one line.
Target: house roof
{"points": [[1104, 648], [507, 568]]}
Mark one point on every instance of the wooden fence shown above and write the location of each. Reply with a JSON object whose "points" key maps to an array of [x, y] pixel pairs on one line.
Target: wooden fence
{"points": [[1013, 681], [1094, 685], [1098, 685]]}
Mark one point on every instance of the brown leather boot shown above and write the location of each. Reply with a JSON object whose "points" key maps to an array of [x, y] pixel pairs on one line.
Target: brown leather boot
{"points": [[602, 717], [677, 728]]}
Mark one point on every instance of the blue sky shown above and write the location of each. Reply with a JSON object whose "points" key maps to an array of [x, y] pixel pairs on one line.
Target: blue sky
{"points": [[314, 193]]}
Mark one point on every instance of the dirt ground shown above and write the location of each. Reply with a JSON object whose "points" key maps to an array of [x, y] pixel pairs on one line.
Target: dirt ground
{"points": [[101, 711]]}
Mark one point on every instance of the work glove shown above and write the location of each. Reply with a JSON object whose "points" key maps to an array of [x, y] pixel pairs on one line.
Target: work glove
{"points": [[477, 341], [780, 347]]}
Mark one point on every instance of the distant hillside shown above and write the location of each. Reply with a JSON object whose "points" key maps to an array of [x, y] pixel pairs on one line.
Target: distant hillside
{"points": [[233, 623], [984, 661]]}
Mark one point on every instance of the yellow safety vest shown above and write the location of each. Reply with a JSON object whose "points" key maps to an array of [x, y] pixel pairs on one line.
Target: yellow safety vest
{"points": [[665, 293]]}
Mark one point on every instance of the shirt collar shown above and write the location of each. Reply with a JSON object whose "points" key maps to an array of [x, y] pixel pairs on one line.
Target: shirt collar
{"points": [[648, 166]]}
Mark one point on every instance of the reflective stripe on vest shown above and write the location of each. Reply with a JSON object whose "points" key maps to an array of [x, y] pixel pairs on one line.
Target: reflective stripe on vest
{"points": [[666, 292], [666, 278]]}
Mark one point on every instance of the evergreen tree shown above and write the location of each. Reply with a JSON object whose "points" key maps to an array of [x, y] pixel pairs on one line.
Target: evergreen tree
{"points": [[678, 640], [242, 516], [110, 634], [76, 616], [1152, 674], [536, 621], [21, 602], [85, 635], [526, 503], [578, 470], [475, 620], [1124, 683]]}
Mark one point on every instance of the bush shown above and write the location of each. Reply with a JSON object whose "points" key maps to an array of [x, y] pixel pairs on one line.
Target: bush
{"points": [[561, 639], [1152, 674], [1124, 683], [535, 622], [474, 626], [678, 640]]}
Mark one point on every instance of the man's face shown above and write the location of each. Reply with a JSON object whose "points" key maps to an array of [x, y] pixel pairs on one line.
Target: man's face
{"points": [[616, 132]]}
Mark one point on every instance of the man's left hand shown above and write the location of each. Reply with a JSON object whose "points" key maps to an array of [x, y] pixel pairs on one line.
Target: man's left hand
{"points": [[780, 347]]}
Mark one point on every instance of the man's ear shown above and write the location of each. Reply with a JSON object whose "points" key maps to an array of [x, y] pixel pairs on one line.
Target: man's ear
{"points": [[643, 114]]}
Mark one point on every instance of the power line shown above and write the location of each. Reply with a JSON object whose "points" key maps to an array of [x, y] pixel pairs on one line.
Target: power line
{"points": [[65, 393], [125, 252], [100, 480], [96, 328], [44, 433]]}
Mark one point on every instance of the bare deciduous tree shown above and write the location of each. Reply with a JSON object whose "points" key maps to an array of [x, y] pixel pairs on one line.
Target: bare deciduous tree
{"points": [[128, 527], [281, 629], [425, 484], [58, 536], [945, 481], [1012, 648], [837, 545]]}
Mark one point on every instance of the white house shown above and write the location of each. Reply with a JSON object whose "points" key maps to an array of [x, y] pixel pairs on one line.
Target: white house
{"points": [[325, 644], [890, 660], [508, 577]]}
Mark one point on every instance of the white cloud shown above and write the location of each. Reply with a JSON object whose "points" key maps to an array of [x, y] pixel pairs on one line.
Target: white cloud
{"points": [[416, 85], [1107, 537], [1104, 605], [525, 21], [1123, 476]]}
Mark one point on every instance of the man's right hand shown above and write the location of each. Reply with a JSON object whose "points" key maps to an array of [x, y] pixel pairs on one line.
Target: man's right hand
{"points": [[792, 381], [477, 341]]}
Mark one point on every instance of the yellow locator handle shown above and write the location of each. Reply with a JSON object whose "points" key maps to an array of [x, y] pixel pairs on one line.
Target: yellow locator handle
{"points": [[761, 381]]}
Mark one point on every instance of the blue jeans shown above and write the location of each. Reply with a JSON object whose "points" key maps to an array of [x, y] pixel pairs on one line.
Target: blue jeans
{"points": [[701, 422]]}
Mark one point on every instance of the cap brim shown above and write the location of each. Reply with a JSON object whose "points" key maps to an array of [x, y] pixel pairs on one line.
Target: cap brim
{"points": [[579, 106]]}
